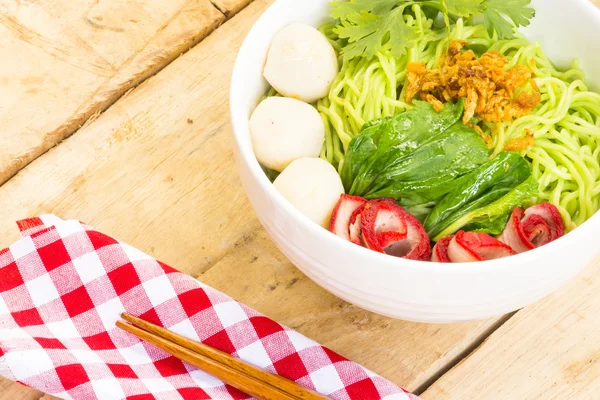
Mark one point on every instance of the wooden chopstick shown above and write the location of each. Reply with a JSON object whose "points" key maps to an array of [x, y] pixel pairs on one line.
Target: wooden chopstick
{"points": [[233, 371]]}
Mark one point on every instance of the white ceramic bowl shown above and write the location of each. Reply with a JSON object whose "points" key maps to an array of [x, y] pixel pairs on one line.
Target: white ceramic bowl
{"points": [[412, 290]]}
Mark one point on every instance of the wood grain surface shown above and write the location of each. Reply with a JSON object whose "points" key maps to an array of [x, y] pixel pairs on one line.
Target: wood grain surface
{"points": [[550, 350], [156, 170], [14, 391], [65, 61], [230, 7]]}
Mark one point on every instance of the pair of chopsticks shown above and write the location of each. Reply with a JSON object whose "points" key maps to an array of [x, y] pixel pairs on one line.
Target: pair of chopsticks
{"points": [[233, 371]]}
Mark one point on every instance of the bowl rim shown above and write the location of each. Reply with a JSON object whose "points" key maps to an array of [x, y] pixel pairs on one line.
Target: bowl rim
{"points": [[240, 129]]}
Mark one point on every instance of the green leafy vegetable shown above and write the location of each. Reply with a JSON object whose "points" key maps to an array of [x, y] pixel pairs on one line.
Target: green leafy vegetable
{"points": [[415, 157], [340, 9], [463, 8], [484, 199], [367, 32], [402, 134], [493, 217], [496, 12], [372, 25], [271, 174], [431, 170]]}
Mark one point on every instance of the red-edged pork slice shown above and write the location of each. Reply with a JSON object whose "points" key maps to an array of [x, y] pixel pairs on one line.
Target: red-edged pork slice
{"points": [[527, 230], [471, 247], [342, 214], [381, 225], [420, 244], [513, 234], [355, 228], [484, 245], [536, 230], [388, 228], [458, 252], [440, 250], [550, 214]]}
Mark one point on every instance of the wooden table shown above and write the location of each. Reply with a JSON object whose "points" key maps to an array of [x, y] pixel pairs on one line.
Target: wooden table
{"points": [[116, 113]]}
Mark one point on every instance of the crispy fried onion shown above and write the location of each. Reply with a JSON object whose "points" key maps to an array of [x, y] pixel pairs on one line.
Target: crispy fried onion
{"points": [[491, 91], [522, 143]]}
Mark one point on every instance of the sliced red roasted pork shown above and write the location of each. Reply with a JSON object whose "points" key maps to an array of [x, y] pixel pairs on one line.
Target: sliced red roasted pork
{"points": [[380, 225], [533, 228], [470, 247], [388, 228], [344, 214], [355, 228], [440, 250]]}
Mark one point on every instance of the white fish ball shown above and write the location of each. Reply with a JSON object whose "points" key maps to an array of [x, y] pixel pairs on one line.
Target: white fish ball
{"points": [[283, 130], [301, 63], [313, 186]]}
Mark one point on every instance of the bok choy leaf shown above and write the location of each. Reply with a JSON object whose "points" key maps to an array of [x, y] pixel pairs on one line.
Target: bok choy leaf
{"points": [[484, 199], [414, 157]]}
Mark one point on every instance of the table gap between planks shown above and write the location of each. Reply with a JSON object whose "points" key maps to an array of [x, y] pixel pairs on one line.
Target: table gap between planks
{"points": [[156, 170]]}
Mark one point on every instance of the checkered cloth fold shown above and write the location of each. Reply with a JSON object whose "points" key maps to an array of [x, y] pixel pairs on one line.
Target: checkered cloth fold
{"points": [[64, 285]]}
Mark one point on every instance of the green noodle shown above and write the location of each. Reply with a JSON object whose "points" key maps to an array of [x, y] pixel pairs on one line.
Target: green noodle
{"points": [[566, 125]]}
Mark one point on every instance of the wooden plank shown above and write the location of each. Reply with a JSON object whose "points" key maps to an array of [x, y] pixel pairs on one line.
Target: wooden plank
{"points": [[121, 134], [14, 391], [156, 170], [409, 354], [550, 350], [64, 62], [230, 7]]}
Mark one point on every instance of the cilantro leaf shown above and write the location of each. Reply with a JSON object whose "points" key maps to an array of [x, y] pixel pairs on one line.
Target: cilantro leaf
{"points": [[370, 25], [368, 33], [402, 37], [361, 31], [498, 12], [464, 8], [340, 9]]}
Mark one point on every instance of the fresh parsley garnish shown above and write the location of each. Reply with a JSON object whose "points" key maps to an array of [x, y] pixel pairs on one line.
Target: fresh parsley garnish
{"points": [[496, 12], [463, 8], [367, 32], [339, 9], [371, 25]]}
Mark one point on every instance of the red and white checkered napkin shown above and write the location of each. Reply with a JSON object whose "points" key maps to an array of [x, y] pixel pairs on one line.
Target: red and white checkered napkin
{"points": [[64, 285]]}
